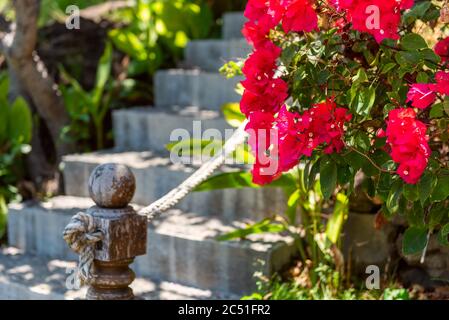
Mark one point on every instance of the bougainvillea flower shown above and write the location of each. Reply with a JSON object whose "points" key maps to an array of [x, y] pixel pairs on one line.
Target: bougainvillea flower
{"points": [[268, 13], [442, 49], [442, 85], [299, 135], [300, 16], [380, 18], [408, 142], [406, 4], [421, 95]]}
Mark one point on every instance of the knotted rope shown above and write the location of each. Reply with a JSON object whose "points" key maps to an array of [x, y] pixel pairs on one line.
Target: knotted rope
{"points": [[82, 234]]}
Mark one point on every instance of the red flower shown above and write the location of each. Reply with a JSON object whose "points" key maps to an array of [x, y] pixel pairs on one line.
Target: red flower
{"points": [[421, 95], [442, 49], [381, 18], [442, 85], [406, 4], [263, 142], [300, 16], [267, 12], [294, 136], [267, 95], [255, 35], [408, 142]]}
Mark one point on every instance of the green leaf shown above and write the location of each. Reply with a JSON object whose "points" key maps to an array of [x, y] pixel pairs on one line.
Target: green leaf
{"points": [[411, 192], [360, 77], [20, 122], [413, 41], [292, 206], [4, 120], [328, 177], [239, 180], [408, 58], [364, 101], [265, 226], [127, 42], [338, 218], [195, 147], [103, 74], [443, 235], [3, 216], [414, 241], [437, 214], [313, 174], [388, 67], [425, 186], [415, 216], [437, 111], [394, 197], [441, 191], [234, 117]]}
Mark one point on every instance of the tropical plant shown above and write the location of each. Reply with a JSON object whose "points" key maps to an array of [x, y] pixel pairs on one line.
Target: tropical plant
{"points": [[88, 109], [15, 136], [158, 31], [154, 36]]}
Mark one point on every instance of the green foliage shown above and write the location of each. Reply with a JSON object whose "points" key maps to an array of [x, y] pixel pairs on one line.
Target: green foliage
{"points": [[320, 241], [158, 31], [277, 288], [89, 108], [16, 126]]}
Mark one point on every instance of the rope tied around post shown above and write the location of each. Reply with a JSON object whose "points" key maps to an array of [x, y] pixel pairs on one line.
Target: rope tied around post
{"points": [[81, 234]]}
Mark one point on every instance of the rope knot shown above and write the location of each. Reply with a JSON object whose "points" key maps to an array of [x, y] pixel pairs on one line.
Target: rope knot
{"points": [[81, 234]]}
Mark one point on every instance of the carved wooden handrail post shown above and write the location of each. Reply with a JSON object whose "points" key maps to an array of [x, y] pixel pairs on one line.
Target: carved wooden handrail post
{"points": [[112, 188]]}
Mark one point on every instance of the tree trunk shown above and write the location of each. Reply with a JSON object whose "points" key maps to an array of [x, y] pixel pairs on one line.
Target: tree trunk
{"points": [[30, 79], [18, 47]]}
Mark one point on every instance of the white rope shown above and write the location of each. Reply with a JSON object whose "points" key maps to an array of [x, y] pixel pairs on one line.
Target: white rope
{"points": [[81, 233], [205, 171]]}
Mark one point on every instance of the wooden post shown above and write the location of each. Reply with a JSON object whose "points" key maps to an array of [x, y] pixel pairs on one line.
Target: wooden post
{"points": [[112, 187]]}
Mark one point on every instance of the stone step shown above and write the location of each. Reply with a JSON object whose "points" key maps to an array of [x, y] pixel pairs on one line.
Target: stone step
{"points": [[31, 277], [233, 24], [182, 247], [211, 55], [207, 90], [147, 128], [156, 175]]}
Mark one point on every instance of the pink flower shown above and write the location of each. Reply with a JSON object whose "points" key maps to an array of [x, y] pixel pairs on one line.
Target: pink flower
{"points": [[300, 16], [442, 49], [421, 95]]}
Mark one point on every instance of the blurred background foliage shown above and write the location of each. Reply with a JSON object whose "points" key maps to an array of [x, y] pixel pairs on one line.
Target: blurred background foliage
{"points": [[107, 64]]}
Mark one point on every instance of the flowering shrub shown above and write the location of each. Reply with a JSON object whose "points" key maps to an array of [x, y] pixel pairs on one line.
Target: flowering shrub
{"points": [[343, 86]]}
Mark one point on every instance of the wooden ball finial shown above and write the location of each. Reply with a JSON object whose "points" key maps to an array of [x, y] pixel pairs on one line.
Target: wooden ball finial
{"points": [[112, 186]]}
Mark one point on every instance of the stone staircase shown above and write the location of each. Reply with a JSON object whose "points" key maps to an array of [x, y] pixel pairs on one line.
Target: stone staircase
{"points": [[183, 252]]}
